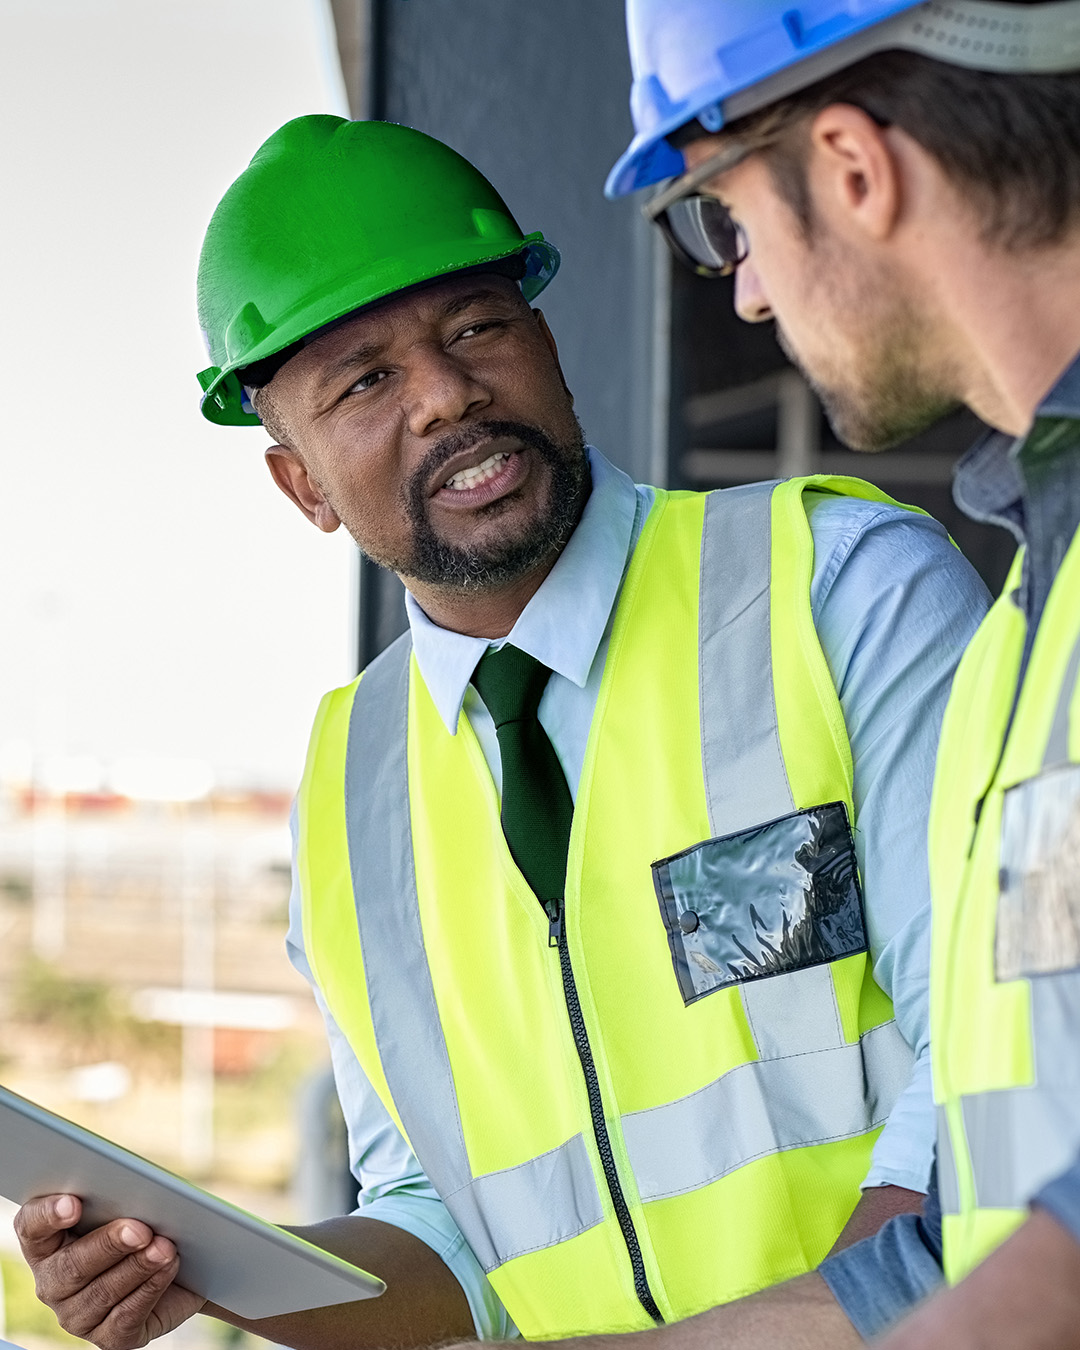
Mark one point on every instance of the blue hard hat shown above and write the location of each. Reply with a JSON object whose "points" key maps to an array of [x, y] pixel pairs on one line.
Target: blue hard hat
{"points": [[717, 60], [689, 57]]}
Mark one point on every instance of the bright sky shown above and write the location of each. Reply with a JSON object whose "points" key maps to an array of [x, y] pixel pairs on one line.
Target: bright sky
{"points": [[159, 596]]}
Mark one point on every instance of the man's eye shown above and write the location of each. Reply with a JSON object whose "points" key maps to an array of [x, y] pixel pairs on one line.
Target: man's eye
{"points": [[367, 381], [480, 326]]}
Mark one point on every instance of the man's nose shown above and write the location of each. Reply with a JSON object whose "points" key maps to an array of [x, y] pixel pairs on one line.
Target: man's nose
{"points": [[750, 301], [442, 391]]}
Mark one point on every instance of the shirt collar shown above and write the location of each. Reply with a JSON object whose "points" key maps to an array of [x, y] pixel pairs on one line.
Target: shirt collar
{"points": [[988, 483], [564, 622]]}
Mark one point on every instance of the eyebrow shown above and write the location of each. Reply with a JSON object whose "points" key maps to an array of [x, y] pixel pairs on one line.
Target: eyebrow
{"points": [[355, 356], [482, 294], [365, 352]]}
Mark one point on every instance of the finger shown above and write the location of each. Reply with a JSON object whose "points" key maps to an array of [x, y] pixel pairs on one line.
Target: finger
{"points": [[113, 1310], [176, 1305], [84, 1259], [42, 1223]]}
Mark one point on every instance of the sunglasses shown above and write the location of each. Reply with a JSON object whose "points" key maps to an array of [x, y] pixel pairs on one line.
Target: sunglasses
{"points": [[698, 228]]}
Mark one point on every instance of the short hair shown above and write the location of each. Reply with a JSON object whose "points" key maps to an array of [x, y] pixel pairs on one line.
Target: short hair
{"points": [[1010, 143], [269, 413]]}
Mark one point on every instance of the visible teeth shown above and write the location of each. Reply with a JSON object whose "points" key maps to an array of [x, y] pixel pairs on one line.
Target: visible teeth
{"points": [[470, 478]]}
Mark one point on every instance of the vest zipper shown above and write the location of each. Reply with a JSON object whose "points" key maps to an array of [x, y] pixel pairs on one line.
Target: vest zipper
{"points": [[557, 938]]}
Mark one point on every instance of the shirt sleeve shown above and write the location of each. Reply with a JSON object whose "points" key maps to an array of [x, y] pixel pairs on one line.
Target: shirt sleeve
{"points": [[879, 1280], [393, 1187], [895, 603], [1062, 1198]]}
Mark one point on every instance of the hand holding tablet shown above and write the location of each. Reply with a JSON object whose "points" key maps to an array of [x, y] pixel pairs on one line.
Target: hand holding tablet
{"points": [[226, 1255], [115, 1286]]}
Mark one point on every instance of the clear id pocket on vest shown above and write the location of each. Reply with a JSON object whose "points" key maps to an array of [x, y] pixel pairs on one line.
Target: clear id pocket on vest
{"points": [[769, 900], [1038, 913]]}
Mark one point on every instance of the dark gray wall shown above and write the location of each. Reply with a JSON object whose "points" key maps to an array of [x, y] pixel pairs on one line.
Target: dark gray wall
{"points": [[535, 95]]}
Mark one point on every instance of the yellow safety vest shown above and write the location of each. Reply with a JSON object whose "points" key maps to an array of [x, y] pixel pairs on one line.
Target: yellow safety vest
{"points": [[668, 1099], [1005, 868]]}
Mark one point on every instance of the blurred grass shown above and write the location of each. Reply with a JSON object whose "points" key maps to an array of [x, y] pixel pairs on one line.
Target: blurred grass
{"points": [[92, 1019], [26, 1317]]}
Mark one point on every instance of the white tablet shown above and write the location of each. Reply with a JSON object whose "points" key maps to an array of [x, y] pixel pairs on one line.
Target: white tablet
{"points": [[227, 1255]]}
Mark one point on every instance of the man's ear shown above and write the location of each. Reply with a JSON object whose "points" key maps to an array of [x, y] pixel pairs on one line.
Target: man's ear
{"points": [[857, 169], [290, 473], [549, 339]]}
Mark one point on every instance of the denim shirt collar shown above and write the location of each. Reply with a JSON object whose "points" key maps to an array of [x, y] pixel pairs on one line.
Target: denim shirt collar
{"points": [[1031, 486], [989, 483]]}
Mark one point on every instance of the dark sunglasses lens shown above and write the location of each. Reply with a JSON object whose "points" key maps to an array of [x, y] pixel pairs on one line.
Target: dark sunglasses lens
{"points": [[704, 233]]}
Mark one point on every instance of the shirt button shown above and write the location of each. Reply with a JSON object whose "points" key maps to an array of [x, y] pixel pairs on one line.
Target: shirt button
{"points": [[688, 921]]}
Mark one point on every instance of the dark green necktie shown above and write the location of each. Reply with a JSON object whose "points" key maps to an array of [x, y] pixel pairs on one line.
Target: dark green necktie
{"points": [[536, 804]]}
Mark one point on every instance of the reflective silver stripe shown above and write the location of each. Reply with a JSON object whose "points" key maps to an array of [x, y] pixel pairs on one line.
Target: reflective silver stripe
{"points": [[501, 1214], [745, 778], [1055, 1029], [407, 1028], [765, 1107], [1020, 1138], [1057, 747], [793, 1014], [522, 1209], [948, 1186]]}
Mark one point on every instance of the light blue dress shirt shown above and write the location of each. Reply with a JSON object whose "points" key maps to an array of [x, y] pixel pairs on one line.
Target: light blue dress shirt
{"points": [[894, 604]]}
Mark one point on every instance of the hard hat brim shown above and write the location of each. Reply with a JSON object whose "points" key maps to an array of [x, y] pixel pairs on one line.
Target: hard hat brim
{"points": [[223, 402], [648, 159]]}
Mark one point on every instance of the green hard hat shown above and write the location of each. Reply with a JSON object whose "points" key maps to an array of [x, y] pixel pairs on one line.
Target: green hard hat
{"points": [[331, 215]]}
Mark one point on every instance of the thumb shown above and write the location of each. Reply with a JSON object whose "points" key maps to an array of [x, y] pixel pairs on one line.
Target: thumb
{"points": [[42, 1224]]}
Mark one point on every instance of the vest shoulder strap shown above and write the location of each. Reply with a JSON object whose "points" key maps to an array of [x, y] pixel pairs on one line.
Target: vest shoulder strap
{"points": [[746, 781]]}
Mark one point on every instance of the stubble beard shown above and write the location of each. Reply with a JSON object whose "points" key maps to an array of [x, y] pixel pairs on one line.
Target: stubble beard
{"points": [[885, 394], [435, 561]]}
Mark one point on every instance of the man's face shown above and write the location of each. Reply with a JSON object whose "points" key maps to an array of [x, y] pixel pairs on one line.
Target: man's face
{"points": [[438, 429], [842, 314]]}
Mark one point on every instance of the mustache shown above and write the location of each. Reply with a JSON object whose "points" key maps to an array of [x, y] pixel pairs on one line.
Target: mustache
{"points": [[464, 438]]}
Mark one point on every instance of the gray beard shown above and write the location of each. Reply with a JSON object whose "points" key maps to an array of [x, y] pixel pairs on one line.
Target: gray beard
{"points": [[434, 562]]}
